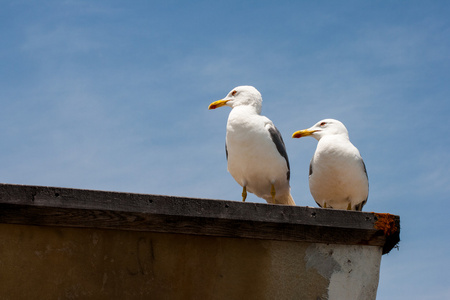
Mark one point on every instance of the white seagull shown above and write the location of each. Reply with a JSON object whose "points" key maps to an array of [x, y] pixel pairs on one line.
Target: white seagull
{"points": [[255, 150], [337, 173]]}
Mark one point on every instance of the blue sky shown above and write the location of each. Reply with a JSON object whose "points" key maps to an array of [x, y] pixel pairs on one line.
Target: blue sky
{"points": [[113, 95]]}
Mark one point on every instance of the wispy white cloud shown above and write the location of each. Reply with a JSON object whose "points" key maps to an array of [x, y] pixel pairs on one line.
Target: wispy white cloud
{"points": [[115, 96]]}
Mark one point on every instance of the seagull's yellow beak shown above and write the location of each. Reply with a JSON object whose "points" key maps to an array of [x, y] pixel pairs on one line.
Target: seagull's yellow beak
{"points": [[302, 133], [217, 104]]}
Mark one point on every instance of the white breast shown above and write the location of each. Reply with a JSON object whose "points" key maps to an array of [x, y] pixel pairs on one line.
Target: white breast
{"points": [[338, 176], [253, 159]]}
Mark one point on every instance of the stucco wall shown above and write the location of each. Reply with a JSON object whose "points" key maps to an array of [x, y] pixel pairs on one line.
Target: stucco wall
{"points": [[42, 262]]}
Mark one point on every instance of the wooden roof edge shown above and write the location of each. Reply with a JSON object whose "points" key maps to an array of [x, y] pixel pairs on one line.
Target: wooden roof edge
{"points": [[56, 206]]}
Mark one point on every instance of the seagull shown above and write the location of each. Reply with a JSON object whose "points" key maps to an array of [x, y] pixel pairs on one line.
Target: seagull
{"points": [[337, 173], [254, 148]]}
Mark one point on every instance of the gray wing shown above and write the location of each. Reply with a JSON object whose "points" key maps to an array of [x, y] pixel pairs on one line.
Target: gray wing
{"points": [[360, 205], [365, 170], [275, 135], [310, 173], [226, 150]]}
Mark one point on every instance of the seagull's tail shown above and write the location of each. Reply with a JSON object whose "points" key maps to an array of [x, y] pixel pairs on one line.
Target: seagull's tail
{"points": [[285, 199]]}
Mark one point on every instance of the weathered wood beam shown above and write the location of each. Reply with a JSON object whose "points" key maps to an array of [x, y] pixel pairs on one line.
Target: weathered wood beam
{"points": [[54, 206]]}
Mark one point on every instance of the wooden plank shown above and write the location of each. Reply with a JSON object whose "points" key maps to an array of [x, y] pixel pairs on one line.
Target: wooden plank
{"points": [[53, 206]]}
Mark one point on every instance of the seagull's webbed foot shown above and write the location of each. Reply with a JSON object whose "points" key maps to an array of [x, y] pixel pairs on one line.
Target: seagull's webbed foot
{"points": [[244, 193], [273, 193], [349, 206]]}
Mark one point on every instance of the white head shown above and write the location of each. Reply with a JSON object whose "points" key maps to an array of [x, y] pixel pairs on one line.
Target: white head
{"points": [[323, 128], [241, 95]]}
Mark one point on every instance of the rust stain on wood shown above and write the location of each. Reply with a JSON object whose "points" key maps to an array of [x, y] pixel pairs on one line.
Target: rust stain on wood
{"points": [[386, 223]]}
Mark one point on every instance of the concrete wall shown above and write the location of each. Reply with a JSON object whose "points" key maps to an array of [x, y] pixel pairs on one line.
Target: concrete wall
{"points": [[59, 243], [40, 262]]}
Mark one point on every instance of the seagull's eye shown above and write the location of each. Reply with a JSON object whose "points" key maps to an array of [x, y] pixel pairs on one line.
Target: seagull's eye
{"points": [[233, 93], [323, 123]]}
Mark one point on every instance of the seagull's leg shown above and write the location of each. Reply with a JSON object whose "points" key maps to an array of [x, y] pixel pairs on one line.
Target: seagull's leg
{"points": [[273, 193], [349, 207], [244, 193], [324, 205]]}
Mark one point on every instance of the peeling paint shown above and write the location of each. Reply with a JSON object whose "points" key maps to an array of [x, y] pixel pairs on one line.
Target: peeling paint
{"points": [[352, 271]]}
